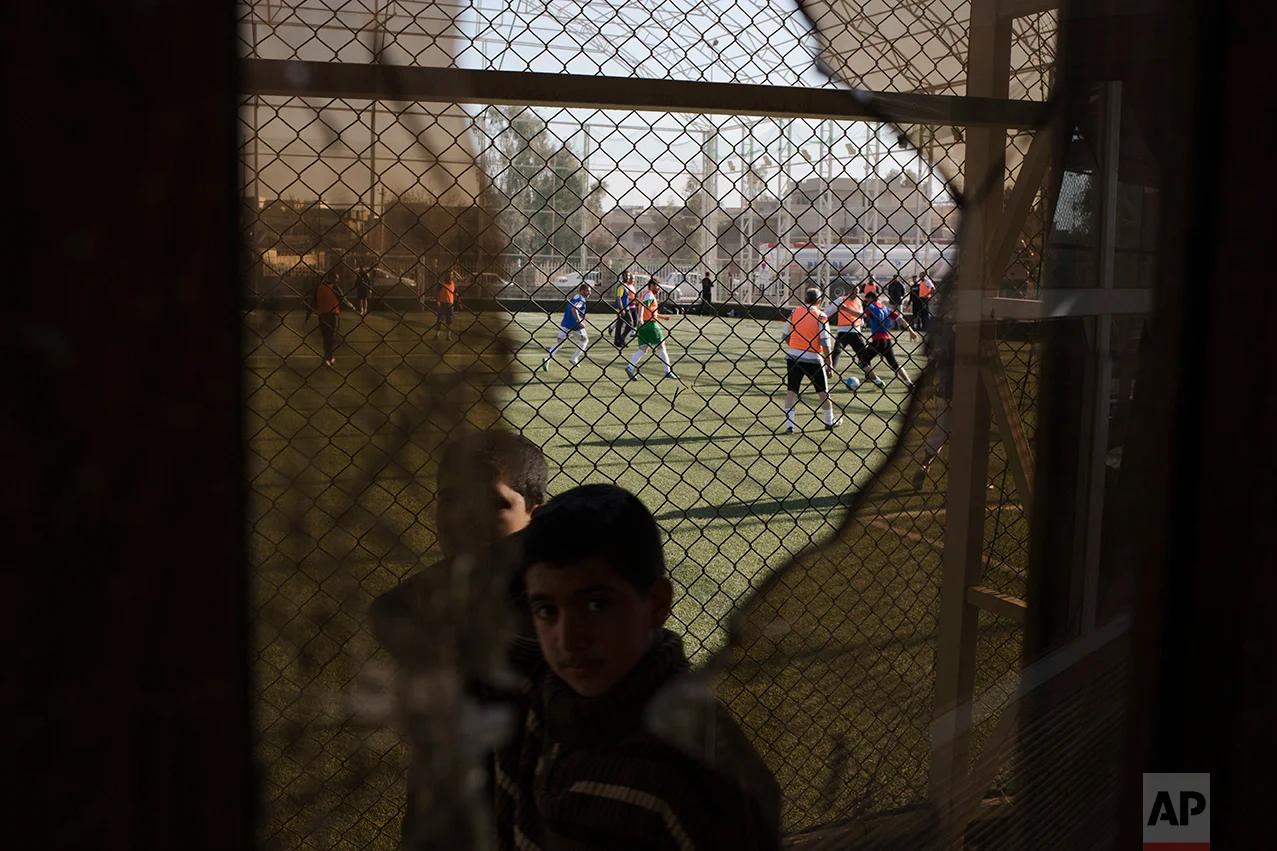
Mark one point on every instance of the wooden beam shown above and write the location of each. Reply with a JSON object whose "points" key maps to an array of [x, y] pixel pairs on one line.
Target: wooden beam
{"points": [[1022, 8], [1004, 605], [295, 78], [1057, 304], [1099, 381], [986, 766], [1027, 184], [1011, 427], [988, 74]]}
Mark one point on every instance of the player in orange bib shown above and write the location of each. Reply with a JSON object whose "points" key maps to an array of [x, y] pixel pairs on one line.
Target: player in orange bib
{"points": [[926, 289], [848, 313], [650, 333], [807, 341], [326, 303], [445, 303]]}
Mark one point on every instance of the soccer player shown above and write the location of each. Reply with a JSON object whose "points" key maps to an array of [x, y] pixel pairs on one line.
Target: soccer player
{"points": [[625, 310], [896, 291], [880, 318], [807, 338], [915, 301], [326, 302], [571, 327], [650, 333], [848, 312], [363, 287], [926, 290], [445, 303]]}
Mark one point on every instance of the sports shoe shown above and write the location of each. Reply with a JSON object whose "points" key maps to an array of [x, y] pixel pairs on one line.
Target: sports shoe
{"points": [[670, 374], [790, 429], [880, 384], [544, 367], [629, 370], [834, 424]]}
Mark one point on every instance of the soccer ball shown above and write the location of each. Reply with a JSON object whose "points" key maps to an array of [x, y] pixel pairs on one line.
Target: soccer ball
{"points": [[852, 383]]}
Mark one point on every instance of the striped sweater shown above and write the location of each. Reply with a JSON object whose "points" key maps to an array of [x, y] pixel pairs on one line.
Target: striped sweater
{"points": [[587, 773]]}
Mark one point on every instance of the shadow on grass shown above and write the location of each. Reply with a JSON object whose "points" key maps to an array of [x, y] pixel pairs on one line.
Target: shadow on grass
{"points": [[746, 669], [734, 510], [666, 440]]}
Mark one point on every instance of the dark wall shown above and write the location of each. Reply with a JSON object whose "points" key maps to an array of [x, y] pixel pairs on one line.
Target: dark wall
{"points": [[121, 425]]}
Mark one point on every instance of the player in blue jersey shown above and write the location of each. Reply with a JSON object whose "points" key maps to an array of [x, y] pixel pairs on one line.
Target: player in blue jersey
{"points": [[879, 317], [572, 326]]}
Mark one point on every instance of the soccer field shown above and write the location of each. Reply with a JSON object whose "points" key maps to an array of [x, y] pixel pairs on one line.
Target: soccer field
{"points": [[341, 509]]}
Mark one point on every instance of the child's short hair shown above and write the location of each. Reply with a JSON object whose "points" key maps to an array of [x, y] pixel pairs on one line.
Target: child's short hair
{"points": [[502, 454], [597, 521], [812, 295]]}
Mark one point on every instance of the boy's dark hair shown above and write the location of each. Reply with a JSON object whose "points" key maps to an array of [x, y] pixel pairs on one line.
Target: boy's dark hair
{"points": [[501, 454], [597, 521], [812, 296]]}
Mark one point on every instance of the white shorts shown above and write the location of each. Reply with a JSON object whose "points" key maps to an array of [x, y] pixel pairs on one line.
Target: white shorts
{"points": [[577, 334]]}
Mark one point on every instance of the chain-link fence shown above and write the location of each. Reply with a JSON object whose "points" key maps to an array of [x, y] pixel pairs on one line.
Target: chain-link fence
{"points": [[409, 275]]}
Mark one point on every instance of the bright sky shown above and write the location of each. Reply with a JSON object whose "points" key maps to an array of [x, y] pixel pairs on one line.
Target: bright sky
{"points": [[643, 158]]}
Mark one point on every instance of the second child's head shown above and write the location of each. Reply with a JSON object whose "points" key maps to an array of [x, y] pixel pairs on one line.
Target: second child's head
{"points": [[496, 465], [594, 577]]}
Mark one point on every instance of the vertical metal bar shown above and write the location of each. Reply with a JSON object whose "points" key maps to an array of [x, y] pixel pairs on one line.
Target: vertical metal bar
{"points": [[372, 133], [585, 210], [708, 227], [256, 275], [1101, 367], [988, 75]]}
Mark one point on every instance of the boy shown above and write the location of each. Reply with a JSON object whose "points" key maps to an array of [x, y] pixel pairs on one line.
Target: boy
{"points": [[404, 620], [583, 770], [880, 319], [572, 326], [650, 333], [513, 474], [445, 303], [807, 337]]}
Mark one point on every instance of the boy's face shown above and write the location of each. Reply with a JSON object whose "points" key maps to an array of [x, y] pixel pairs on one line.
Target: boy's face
{"points": [[513, 512], [593, 625], [456, 523]]}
